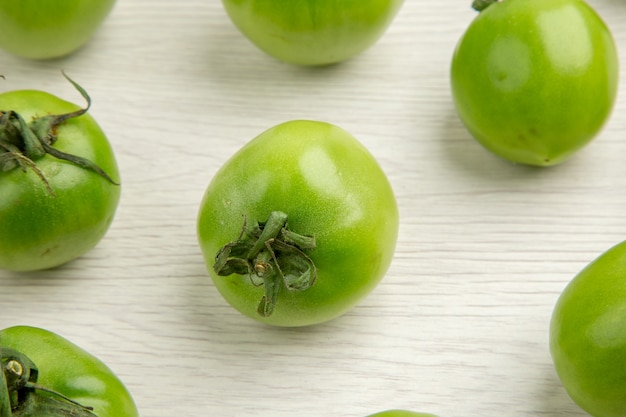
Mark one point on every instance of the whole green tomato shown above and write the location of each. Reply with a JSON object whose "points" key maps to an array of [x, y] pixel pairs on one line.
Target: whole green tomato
{"points": [[45, 375], [43, 29], [535, 80], [400, 413], [588, 335], [299, 225], [58, 181], [312, 32]]}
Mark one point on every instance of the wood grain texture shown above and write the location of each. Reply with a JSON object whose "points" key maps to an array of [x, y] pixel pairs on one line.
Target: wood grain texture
{"points": [[458, 327]]}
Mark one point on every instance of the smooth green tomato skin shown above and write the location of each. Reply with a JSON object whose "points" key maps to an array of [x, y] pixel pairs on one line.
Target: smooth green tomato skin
{"points": [[331, 188], [44, 29], [39, 230], [400, 413], [312, 32], [69, 370], [535, 80], [588, 335]]}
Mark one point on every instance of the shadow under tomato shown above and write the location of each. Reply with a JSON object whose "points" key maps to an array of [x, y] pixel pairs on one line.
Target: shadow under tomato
{"points": [[553, 398], [465, 154]]}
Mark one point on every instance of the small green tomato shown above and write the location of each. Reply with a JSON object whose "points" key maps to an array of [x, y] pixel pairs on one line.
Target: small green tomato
{"points": [[46, 375], [312, 32], [588, 335], [58, 180], [44, 29], [401, 413], [535, 80], [299, 225]]}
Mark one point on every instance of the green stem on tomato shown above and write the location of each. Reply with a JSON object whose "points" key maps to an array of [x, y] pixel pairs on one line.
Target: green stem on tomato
{"points": [[22, 143], [40, 406], [480, 5], [19, 391], [5, 400], [271, 255]]}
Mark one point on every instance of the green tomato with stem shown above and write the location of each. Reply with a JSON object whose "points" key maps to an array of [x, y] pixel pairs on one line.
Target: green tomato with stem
{"points": [[312, 32], [299, 225], [59, 180], [45, 29], [535, 80], [46, 375], [588, 335]]}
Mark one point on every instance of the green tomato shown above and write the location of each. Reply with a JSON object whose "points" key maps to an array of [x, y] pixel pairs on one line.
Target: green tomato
{"points": [[58, 181], [312, 32], [43, 29], [45, 375], [535, 80], [400, 413], [321, 224], [588, 335]]}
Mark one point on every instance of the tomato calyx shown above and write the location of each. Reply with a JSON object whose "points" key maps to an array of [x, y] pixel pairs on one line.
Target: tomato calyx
{"points": [[20, 395], [480, 5], [22, 142], [270, 255]]}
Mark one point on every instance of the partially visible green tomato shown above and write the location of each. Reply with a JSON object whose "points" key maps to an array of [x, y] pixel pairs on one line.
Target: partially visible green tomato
{"points": [[400, 413], [52, 209], [535, 80], [75, 381], [309, 219], [588, 335], [312, 32], [43, 29]]}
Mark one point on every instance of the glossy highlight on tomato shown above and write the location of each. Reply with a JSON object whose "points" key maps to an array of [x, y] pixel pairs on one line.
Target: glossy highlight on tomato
{"points": [[45, 29], [588, 335], [312, 32], [535, 80], [333, 219], [59, 181], [46, 375]]}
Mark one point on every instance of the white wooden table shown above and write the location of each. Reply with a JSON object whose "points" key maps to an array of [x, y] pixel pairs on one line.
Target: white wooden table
{"points": [[459, 326]]}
